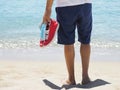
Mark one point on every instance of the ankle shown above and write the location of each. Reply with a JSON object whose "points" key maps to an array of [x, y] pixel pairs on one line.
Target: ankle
{"points": [[71, 79], [85, 76]]}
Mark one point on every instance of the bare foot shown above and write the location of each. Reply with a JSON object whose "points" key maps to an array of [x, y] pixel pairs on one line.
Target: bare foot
{"points": [[68, 82], [86, 80]]}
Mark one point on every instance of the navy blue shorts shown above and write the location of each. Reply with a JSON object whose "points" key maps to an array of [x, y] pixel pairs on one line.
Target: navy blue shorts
{"points": [[72, 17]]}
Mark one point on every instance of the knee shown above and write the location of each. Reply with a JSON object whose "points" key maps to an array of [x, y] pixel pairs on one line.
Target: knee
{"points": [[85, 45]]}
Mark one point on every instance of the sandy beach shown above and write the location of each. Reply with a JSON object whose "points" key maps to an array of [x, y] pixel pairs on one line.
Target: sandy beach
{"points": [[38, 75]]}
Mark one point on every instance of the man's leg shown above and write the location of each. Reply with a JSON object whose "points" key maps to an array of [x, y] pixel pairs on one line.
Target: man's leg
{"points": [[69, 56], [85, 56]]}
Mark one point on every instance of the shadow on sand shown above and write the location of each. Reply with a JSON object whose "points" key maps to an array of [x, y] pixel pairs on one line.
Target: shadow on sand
{"points": [[95, 83]]}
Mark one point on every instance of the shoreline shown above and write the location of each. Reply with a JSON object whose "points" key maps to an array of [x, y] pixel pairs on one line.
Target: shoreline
{"points": [[57, 54]]}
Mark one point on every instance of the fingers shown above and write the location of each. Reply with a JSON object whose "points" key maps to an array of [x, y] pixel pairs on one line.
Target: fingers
{"points": [[46, 17]]}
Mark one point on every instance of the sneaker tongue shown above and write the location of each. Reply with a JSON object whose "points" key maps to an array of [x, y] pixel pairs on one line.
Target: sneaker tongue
{"points": [[47, 31], [47, 26]]}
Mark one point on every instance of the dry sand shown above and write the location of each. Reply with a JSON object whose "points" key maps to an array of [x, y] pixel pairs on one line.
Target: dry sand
{"points": [[25, 75]]}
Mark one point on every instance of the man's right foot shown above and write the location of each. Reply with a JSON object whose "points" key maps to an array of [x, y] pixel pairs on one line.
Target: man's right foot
{"points": [[85, 80]]}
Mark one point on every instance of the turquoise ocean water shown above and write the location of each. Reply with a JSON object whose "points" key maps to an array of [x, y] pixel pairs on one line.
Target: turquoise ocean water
{"points": [[19, 20]]}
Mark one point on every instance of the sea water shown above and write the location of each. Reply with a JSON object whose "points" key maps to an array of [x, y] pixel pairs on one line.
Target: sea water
{"points": [[19, 23]]}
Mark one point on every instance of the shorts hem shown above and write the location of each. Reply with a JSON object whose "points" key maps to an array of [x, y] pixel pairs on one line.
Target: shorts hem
{"points": [[65, 43], [84, 42]]}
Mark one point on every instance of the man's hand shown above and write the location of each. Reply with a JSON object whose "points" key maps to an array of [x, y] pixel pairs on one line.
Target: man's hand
{"points": [[46, 17], [47, 14]]}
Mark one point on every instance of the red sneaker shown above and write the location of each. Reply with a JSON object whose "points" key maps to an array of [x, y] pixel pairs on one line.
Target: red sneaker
{"points": [[50, 31]]}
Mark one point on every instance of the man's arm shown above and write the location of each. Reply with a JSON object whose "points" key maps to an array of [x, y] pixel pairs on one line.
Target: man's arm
{"points": [[47, 14]]}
